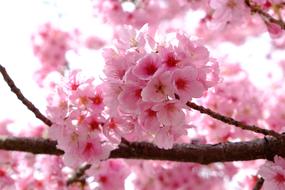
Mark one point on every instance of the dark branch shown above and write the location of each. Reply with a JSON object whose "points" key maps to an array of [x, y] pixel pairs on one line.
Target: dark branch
{"points": [[265, 148], [232, 121], [22, 98], [79, 175], [258, 184], [255, 8], [32, 145]]}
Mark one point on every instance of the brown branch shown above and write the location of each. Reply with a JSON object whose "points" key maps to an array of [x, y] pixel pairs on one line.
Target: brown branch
{"points": [[22, 98], [78, 175], [232, 121], [32, 145], [265, 148], [258, 184], [254, 8]]}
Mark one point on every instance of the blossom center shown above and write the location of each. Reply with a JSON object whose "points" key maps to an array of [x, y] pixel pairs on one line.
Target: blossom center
{"points": [[151, 113], [94, 125], [88, 147], [231, 4], [180, 84], [159, 88], [150, 69], [279, 178], [97, 100], [171, 61]]}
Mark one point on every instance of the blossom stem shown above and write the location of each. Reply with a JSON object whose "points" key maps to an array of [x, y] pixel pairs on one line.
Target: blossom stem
{"points": [[268, 17], [22, 98], [232, 121], [78, 175], [258, 184]]}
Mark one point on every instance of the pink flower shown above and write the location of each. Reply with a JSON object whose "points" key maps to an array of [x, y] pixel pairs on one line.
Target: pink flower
{"points": [[275, 31], [129, 98], [111, 174], [164, 139], [6, 182], [148, 119], [93, 150], [50, 45], [116, 64], [158, 88], [130, 38], [94, 42], [147, 66], [115, 128], [170, 58], [192, 54], [273, 174], [228, 12], [186, 85], [96, 98], [170, 113]]}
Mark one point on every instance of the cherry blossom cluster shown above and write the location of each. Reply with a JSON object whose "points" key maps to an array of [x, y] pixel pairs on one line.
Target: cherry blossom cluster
{"points": [[21, 171], [237, 34], [148, 82], [110, 174], [274, 8], [236, 12], [275, 101], [171, 175], [137, 13], [76, 113], [149, 77], [228, 12], [238, 19], [235, 97], [50, 45], [273, 173]]}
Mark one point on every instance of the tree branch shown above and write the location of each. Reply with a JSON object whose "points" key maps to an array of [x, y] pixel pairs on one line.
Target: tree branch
{"points": [[232, 121], [254, 8], [22, 98], [265, 148], [32, 145], [79, 175], [259, 184]]}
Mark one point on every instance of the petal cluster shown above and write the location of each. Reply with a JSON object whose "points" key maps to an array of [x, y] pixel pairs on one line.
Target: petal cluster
{"points": [[148, 81]]}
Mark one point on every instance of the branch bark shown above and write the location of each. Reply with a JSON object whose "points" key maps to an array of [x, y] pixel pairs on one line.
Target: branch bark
{"points": [[22, 98], [265, 148]]}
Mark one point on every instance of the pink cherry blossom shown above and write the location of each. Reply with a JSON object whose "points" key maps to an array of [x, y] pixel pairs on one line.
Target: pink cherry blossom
{"points": [[130, 98], [228, 12], [158, 88], [50, 45], [147, 66], [273, 174], [275, 31], [111, 174], [186, 84], [170, 113]]}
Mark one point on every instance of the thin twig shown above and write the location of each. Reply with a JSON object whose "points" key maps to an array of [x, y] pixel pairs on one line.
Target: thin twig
{"points": [[22, 98], [258, 184], [256, 9], [232, 121], [265, 148], [79, 174]]}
